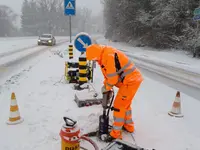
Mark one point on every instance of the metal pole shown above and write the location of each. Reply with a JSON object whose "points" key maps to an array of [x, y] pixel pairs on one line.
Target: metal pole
{"points": [[197, 28], [70, 28], [92, 71]]}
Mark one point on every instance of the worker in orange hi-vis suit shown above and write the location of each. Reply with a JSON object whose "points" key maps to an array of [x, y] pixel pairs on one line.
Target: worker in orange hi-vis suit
{"points": [[118, 71]]}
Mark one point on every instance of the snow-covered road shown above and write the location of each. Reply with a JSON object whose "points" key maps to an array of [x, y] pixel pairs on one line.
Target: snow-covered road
{"points": [[172, 68], [14, 61], [10, 45], [44, 98], [189, 90]]}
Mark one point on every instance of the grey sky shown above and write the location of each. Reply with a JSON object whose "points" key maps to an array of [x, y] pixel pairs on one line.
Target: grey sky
{"points": [[92, 4]]}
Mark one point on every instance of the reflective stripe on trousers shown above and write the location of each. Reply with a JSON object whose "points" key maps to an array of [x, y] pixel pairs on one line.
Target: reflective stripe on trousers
{"points": [[123, 101], [119, 122], [128, 117]]}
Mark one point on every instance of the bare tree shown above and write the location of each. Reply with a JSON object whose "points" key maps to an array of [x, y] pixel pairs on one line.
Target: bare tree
{"points": [[7, 18], [86, 16], [49, 17]]}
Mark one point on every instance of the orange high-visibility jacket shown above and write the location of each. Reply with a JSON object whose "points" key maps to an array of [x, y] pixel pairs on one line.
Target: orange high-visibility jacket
{"points": [[116, 67]]}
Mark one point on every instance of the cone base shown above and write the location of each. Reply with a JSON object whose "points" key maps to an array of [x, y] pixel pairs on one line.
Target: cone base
{"points": [[15, 122], [175, 115]]}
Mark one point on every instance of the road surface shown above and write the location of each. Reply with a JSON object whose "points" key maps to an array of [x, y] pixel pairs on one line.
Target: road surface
{"points": [[191, 91], [12, 66]]}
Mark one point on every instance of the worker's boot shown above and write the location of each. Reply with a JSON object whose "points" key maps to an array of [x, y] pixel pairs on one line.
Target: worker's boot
{"points": [[109, 138], [131, 130]]}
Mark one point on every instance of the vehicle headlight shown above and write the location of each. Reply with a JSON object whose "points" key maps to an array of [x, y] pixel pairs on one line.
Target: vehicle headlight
{"points": [[49, 41], [38, 40]]}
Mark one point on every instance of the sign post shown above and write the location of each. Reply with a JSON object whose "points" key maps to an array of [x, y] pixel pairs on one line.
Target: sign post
{"points": [[196, 18], [70, 10]]}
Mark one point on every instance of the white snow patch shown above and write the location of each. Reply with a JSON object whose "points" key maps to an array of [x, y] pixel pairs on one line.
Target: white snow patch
{"points": [[172, 64], [19, 43], [44, 98]]}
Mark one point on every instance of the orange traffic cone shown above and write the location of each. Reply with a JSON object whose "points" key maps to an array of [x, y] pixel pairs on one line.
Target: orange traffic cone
{"points": [[176, 107], [14, 112]]}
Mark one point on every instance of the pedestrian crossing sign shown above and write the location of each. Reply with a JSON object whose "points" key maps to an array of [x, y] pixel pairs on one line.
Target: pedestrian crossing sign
{"points": [[69, 6]]}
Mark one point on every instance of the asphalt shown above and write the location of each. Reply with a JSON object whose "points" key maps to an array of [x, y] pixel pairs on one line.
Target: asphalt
{"points": [[186, 89], [9, 68]]}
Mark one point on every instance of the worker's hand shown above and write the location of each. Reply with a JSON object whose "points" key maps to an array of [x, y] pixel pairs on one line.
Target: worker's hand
{"points": [[103, 89]]}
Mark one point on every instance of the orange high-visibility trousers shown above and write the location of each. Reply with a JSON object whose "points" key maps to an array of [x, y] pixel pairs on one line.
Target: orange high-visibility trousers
{"points": [[123, 102]]}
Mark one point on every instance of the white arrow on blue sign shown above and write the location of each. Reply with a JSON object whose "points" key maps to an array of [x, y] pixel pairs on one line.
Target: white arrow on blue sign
{"points": [[197, 17], [70, 7], [82, 41]]}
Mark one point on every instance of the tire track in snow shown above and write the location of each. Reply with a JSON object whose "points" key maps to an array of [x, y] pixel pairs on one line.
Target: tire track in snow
{"points": [[7, 68], [16, 51]]}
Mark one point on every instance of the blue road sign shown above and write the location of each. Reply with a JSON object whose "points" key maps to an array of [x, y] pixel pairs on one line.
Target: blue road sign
{"points": [[82, 41], [70, 7], [197, 17], [196, 11]]}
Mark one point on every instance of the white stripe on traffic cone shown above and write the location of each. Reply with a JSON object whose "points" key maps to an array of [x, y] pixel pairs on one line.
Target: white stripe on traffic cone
{"points": [[14, 117], [176, 107]]}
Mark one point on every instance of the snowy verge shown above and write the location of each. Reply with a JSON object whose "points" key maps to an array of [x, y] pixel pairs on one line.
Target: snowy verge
{"points": [[21, 54], [16, 51], [10, 45], [186, 70], [168, 69], [44, 98]]}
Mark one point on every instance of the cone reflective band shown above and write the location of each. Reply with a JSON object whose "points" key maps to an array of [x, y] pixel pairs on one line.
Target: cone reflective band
{"points": [[176, 107], [82, 70], [14, 117], [70, 51]]}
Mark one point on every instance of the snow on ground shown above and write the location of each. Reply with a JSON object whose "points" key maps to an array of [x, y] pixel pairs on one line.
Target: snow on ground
{"points": [[172, 64], [18, 43], [44, 98], [178, 58], [15, 56]]}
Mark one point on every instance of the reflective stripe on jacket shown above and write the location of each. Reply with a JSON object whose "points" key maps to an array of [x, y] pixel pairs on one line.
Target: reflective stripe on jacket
{"points": [[106, 57], [108, 66]]}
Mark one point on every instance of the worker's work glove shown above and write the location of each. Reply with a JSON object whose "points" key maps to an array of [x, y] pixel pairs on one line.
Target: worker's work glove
{"points": [[103, 89]]}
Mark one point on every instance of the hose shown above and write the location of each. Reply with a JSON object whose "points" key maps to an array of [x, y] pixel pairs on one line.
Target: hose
{"points": [[93, 133], [90, 141]]}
